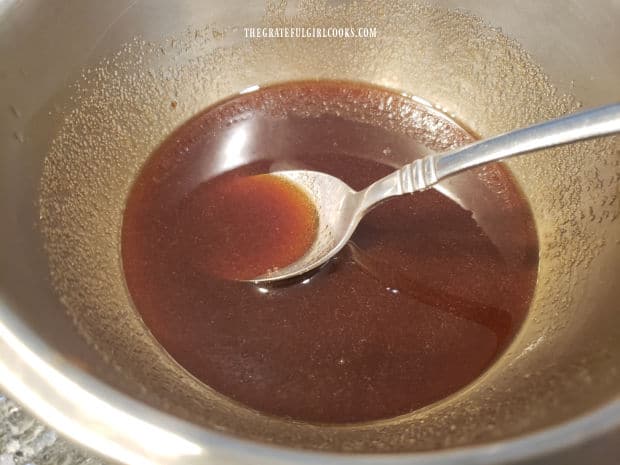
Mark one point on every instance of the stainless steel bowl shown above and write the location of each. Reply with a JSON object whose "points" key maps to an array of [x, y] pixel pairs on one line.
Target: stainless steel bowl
{"points": [[87, 90]]}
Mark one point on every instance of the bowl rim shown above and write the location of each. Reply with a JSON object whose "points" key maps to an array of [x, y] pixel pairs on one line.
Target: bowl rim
{"points": [[115, 425]]}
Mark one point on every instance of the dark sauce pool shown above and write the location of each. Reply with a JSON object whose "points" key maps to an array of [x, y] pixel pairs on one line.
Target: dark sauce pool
{"points": [[429, 291]]}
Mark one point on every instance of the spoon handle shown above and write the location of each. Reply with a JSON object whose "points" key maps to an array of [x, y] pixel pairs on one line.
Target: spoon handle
{"points": [[427, 171]]}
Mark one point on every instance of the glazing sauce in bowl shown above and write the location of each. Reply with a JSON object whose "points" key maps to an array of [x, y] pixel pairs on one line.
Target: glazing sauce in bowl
{"points": [[429, 291]]}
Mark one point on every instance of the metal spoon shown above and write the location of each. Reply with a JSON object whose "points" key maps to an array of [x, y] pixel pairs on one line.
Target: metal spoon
{"points": [[340, 208]]}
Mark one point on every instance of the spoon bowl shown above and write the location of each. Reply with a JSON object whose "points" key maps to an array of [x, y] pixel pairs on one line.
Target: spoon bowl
{"points": [[338, 209]]}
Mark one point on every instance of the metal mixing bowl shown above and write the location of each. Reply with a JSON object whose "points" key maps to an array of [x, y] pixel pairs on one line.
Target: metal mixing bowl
{"points": [[90, 88]]}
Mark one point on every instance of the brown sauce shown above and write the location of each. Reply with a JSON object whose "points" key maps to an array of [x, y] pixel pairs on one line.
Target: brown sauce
{"points": [[430, 290], [241, 227]]}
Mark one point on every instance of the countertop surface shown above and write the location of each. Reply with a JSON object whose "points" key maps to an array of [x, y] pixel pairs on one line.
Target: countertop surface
{"points": [[26, 441]]}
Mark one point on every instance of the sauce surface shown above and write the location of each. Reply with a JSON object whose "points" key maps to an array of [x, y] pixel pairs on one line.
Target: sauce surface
{"points": [[241, 227], [429, 291]]}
